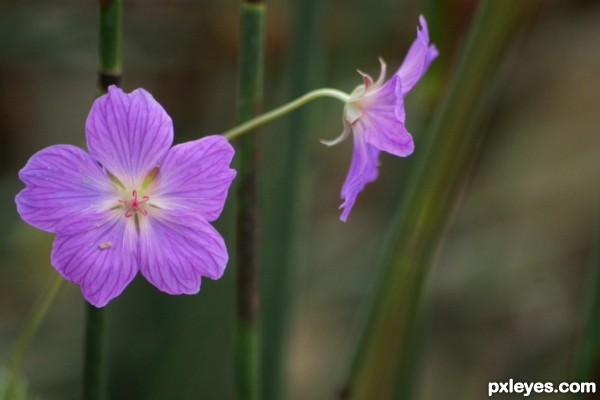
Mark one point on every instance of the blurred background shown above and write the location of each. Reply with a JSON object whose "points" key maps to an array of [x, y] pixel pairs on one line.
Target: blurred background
{"points": [[510, 285]]}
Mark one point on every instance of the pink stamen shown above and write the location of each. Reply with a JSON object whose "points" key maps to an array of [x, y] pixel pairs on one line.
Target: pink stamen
{"points": [[367, 80], [135, 205]]}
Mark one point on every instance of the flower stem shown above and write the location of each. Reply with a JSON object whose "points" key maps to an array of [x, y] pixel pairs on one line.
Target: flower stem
{"points": [[110, 43], [247, 348], [110, 59], [284, 109], [95, 360], [24, 340], [381, 368]]}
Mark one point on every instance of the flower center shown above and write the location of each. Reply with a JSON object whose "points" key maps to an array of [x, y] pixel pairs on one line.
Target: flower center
{"points": [[353, 111], [135, 205]]}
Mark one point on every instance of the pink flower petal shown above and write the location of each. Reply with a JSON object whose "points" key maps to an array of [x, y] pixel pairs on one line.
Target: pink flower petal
{"points": [[177, 249], [417, 60], [66, 190], [382, 123], [363, 170], [432, 53], [101, 260], [128, 134], [195, 176]]}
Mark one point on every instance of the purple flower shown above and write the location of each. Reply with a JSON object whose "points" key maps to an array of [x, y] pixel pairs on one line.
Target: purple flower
{"points": [[375, 115], [133, 203]]}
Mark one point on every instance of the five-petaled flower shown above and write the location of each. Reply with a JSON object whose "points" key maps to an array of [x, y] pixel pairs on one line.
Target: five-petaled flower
{"points": [[375, 115], [132, 203]]}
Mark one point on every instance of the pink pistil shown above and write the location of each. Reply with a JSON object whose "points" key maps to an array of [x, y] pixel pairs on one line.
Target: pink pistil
{"points": [[135, 205]]}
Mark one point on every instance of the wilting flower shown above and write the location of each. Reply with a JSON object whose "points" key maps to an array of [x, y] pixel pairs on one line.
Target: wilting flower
{"points": [[133, 203], [375, 115]]}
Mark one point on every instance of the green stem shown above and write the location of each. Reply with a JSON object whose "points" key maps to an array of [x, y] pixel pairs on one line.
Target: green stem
{"points": [[284, 109], [95, 360], [381, 364], [22, 344], [110, 60], [249, 103], [110, 43], [588, 368], [286, 212]]}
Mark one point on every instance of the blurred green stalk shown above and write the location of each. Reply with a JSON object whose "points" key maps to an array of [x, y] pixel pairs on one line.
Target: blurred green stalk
{"points": [[110, 57], [110, 40], [588, 368], [94, 363], [247, 231], [438, 168], [13, 390], [286, 213]]}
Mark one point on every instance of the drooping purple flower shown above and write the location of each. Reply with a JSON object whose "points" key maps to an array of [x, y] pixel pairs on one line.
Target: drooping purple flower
{"points": [[375, 115], [133, 203]]}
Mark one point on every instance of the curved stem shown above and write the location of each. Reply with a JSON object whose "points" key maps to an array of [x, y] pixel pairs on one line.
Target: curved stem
{"points": [[22, 343], [284, 109]]}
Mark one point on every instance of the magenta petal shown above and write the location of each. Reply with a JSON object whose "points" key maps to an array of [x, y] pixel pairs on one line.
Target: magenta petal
{"points": [[177, 249], [65, 189], [432, 53], [128, 133], [417, 60], [195, 176], [101, 260], [363, 170], [382, 124]]}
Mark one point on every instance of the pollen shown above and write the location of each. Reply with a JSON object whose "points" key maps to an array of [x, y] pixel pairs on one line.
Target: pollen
{"points": [[105, 245]]}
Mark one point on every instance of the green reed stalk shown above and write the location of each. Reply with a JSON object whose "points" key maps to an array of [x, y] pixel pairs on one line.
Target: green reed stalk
{"points": [[437, 170], [588, 368], [94, 363], [13, 390], [110, 43], [284, 218], [110, 57], [247, 231]]}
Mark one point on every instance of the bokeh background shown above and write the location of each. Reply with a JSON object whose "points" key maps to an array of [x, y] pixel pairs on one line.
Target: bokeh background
{"points": [[510, 285]]}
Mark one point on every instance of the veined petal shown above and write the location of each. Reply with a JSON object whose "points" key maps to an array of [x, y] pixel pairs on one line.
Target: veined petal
{"points": [[363, 170], [128, 133], [65, 188], [195, 176], [177, 248], [382, 123], [417, 60], [101, 260]]}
